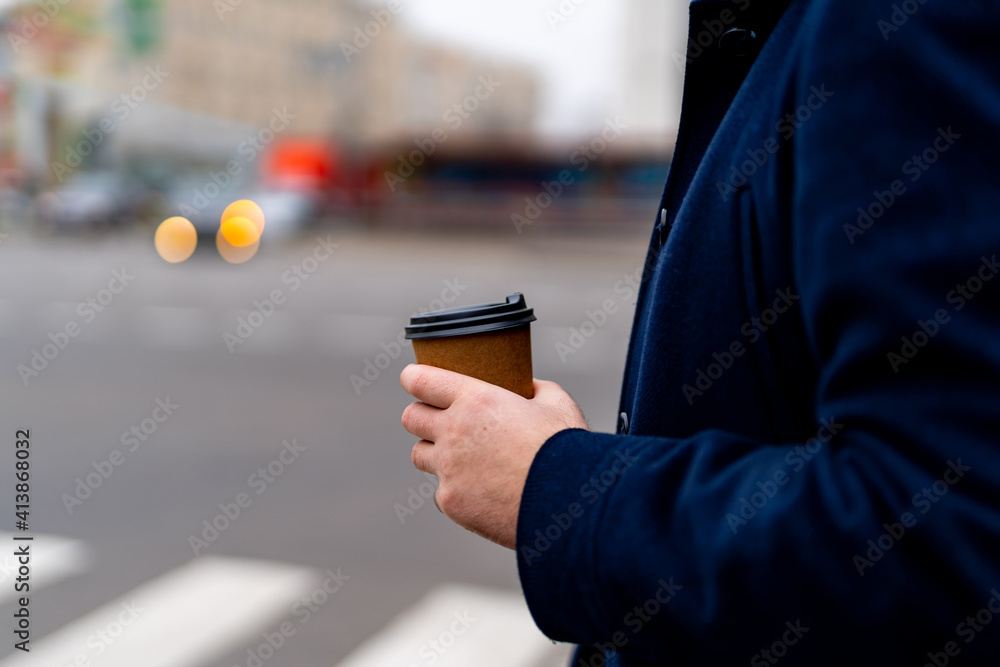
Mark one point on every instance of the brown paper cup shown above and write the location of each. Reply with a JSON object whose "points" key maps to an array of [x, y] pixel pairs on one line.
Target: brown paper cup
{"points": [[500, 357], [490, 342]]}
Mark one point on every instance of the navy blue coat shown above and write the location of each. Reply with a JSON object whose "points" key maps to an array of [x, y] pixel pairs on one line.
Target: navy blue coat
{"points": [[807, 465]]}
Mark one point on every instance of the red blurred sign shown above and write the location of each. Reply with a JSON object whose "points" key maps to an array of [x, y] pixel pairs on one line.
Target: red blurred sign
{"points": [[300, 163]]}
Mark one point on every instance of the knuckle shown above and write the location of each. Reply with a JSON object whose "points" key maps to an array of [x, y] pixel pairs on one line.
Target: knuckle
{"points": [[420, 382], [409, 417], [452, 428], [480, 400], [446, 464], [445, 498]]}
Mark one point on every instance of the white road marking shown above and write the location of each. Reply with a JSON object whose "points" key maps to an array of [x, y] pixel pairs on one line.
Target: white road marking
{"points": [[188, 616], [53, 558], [459, 626]]}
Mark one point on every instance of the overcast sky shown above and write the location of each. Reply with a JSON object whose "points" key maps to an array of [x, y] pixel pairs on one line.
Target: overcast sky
{"points": [[579, 59]]}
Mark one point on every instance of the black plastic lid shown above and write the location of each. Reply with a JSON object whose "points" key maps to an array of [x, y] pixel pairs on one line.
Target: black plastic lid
{"points": [[471, 319]]}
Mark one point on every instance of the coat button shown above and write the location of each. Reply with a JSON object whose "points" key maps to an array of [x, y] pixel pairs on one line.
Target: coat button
{"points": [[738, 41], [661, 227], [623, 423]]}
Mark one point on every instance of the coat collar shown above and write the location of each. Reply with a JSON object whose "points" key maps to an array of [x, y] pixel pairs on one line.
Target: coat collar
{"points": [[724, 38]]}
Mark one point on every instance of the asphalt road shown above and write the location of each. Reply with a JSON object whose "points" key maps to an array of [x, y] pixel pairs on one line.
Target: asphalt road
{"points": [[156, 332]]}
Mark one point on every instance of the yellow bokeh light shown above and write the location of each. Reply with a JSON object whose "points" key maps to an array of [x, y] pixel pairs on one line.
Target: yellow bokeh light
{"points": [[176, 239], [245, 208], [240, 232], [233, 254]]}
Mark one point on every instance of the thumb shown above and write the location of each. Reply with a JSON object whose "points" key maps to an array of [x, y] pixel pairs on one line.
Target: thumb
{"points": [[552, 394], [558, 399], [549, 392]]}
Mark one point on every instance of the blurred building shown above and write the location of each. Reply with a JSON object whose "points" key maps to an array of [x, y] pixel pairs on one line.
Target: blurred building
{"points": [[240, 61], [420, 87], [346, 72], [7, 119]]}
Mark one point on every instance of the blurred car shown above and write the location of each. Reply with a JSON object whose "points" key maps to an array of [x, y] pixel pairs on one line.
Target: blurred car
{"points": [[286, 212], [93, 200], [15, 207], [199, 198]]}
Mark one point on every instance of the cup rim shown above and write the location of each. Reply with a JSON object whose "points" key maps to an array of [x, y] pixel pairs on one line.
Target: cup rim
{"points": [[466, 320]]}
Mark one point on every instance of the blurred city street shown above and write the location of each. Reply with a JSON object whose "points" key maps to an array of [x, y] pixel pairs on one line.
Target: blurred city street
{"points": [[297, 429], [218, 472]]}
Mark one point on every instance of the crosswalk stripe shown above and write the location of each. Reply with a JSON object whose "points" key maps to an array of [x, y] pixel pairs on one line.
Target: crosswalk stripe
{"points": [[53, 558], [186, 617], [458, 626]]}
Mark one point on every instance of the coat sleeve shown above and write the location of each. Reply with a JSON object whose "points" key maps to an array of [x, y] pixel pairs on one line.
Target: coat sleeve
{"points": [[885, 527]]}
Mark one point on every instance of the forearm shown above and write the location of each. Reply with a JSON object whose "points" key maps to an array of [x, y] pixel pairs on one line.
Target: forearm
{"points": [[660, 547]]}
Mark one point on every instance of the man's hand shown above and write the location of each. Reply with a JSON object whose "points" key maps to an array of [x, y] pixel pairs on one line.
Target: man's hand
{"points": [[480, 440]]}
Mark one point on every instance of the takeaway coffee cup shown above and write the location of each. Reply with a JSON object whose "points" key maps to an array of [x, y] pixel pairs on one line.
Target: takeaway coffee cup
{"points": [[491, 342]]}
